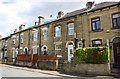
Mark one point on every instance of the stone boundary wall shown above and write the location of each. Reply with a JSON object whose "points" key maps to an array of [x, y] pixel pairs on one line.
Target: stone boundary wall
{"points": [[90, 69], [24, 63], [47, 64]]}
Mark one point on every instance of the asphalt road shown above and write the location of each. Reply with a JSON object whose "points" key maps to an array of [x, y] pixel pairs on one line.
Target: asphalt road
{"points": [[11, 72]]}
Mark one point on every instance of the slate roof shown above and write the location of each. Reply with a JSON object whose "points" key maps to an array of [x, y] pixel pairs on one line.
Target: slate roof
{"points": [[96, 7]]}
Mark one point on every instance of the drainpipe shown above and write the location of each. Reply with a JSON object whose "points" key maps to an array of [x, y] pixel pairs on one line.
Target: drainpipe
{"points": [[19, 45], [39, 41], [29, 41]]}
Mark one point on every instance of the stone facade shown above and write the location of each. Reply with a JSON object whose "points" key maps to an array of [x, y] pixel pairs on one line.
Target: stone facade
{"points": [[42, 37]]}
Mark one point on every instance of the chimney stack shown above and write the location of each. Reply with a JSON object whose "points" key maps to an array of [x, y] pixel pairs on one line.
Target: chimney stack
{"points": [[60, 14], [90, 4], [16, 30], [36, 23], [40, 20], [22, 27]]}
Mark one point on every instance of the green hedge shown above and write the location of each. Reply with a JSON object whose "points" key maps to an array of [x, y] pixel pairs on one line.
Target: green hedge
{"points": [[94, 55]]}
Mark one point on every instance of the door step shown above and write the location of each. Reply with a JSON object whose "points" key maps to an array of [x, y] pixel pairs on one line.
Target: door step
{"points": [[115, 72], [116, 66]]}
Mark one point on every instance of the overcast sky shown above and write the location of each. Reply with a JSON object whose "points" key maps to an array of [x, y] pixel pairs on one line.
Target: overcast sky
{"points": [[13, 13]]}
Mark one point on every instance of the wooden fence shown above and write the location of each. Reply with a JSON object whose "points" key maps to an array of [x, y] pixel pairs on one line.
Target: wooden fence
{"points": [[35, 57]]}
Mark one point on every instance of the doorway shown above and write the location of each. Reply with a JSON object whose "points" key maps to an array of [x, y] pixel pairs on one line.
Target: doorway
{"points": [[70, 51], [116, 50]]}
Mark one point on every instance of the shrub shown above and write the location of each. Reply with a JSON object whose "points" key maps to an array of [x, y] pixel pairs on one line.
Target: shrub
{"points": [[93, 55]]}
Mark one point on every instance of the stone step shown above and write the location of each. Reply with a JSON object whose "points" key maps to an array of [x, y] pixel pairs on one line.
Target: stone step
{"points": [[116, 66]]}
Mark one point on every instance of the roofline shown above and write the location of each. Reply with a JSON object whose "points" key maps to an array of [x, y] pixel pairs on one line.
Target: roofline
{"points": [[65, 18], [105, 7]]}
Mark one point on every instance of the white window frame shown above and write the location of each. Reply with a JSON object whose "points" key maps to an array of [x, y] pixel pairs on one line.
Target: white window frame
{"points": [[0, 44], [58, 31], [56, 47], [13, 40], [80, 42], [71, 29], [35, 50], [22, 38], [35, 35], [6, 43], [44, 32]]}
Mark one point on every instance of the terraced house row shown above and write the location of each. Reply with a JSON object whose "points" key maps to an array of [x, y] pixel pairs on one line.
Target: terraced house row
{"points": [[94, 25]]}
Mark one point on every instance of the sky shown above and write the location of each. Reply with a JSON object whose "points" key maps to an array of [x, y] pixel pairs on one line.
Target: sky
{"points": [[13, 13]]}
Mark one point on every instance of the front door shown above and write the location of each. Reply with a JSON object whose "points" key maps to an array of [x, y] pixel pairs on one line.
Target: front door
{"points": [[13, 55], [70, 52], [116, 49]]}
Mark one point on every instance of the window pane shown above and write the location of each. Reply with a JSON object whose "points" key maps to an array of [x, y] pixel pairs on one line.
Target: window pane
{"points": [[97, 25], [114, 22], [118, 22], [58, 31], [95, 19], [71, 28], [35, 50], [116, 15], [93, 26]]}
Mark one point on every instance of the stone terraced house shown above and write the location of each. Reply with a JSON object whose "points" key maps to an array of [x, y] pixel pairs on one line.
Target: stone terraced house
{"points": [[95, 25]]}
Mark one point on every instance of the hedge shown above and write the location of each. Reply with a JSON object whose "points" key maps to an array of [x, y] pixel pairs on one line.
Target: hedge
{"points": [[94, 55]]}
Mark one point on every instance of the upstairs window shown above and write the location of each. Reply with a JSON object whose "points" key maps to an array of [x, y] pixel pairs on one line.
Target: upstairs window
{"points": [[71, 29], [58, 31], [6, 43], [35, 35], [13, 40], [97, 42], [95, 22], [44, 32], [0, 44], [21, 38], [116, 20]]}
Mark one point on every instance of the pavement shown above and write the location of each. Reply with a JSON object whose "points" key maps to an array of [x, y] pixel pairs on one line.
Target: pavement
{"points": [[62, 74]]}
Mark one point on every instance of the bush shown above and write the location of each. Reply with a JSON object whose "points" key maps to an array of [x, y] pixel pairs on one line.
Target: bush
{"points": [[95, 55]]}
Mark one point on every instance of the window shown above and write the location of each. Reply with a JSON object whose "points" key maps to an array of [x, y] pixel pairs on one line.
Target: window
{"points": [[97, 42], [44, 31], [21, 50], [57, 49], [58, 31], [34, 50], [116, 20], [95, 24], [80, 44], [13, 40], [57, 46], [0, 44], [35, 35], [21, 38], [6, 43], [71, 28]]}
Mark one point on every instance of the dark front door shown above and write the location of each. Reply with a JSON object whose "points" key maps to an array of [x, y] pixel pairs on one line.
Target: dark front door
{"points": [[116, 49]]}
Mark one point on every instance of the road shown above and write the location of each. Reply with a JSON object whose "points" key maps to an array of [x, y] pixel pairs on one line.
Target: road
{"points": [[12, 72]]}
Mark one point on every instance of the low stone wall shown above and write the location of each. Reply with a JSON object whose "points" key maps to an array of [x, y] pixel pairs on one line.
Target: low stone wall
{"points": [[90, 69], [24, 63], [47, 64]]}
